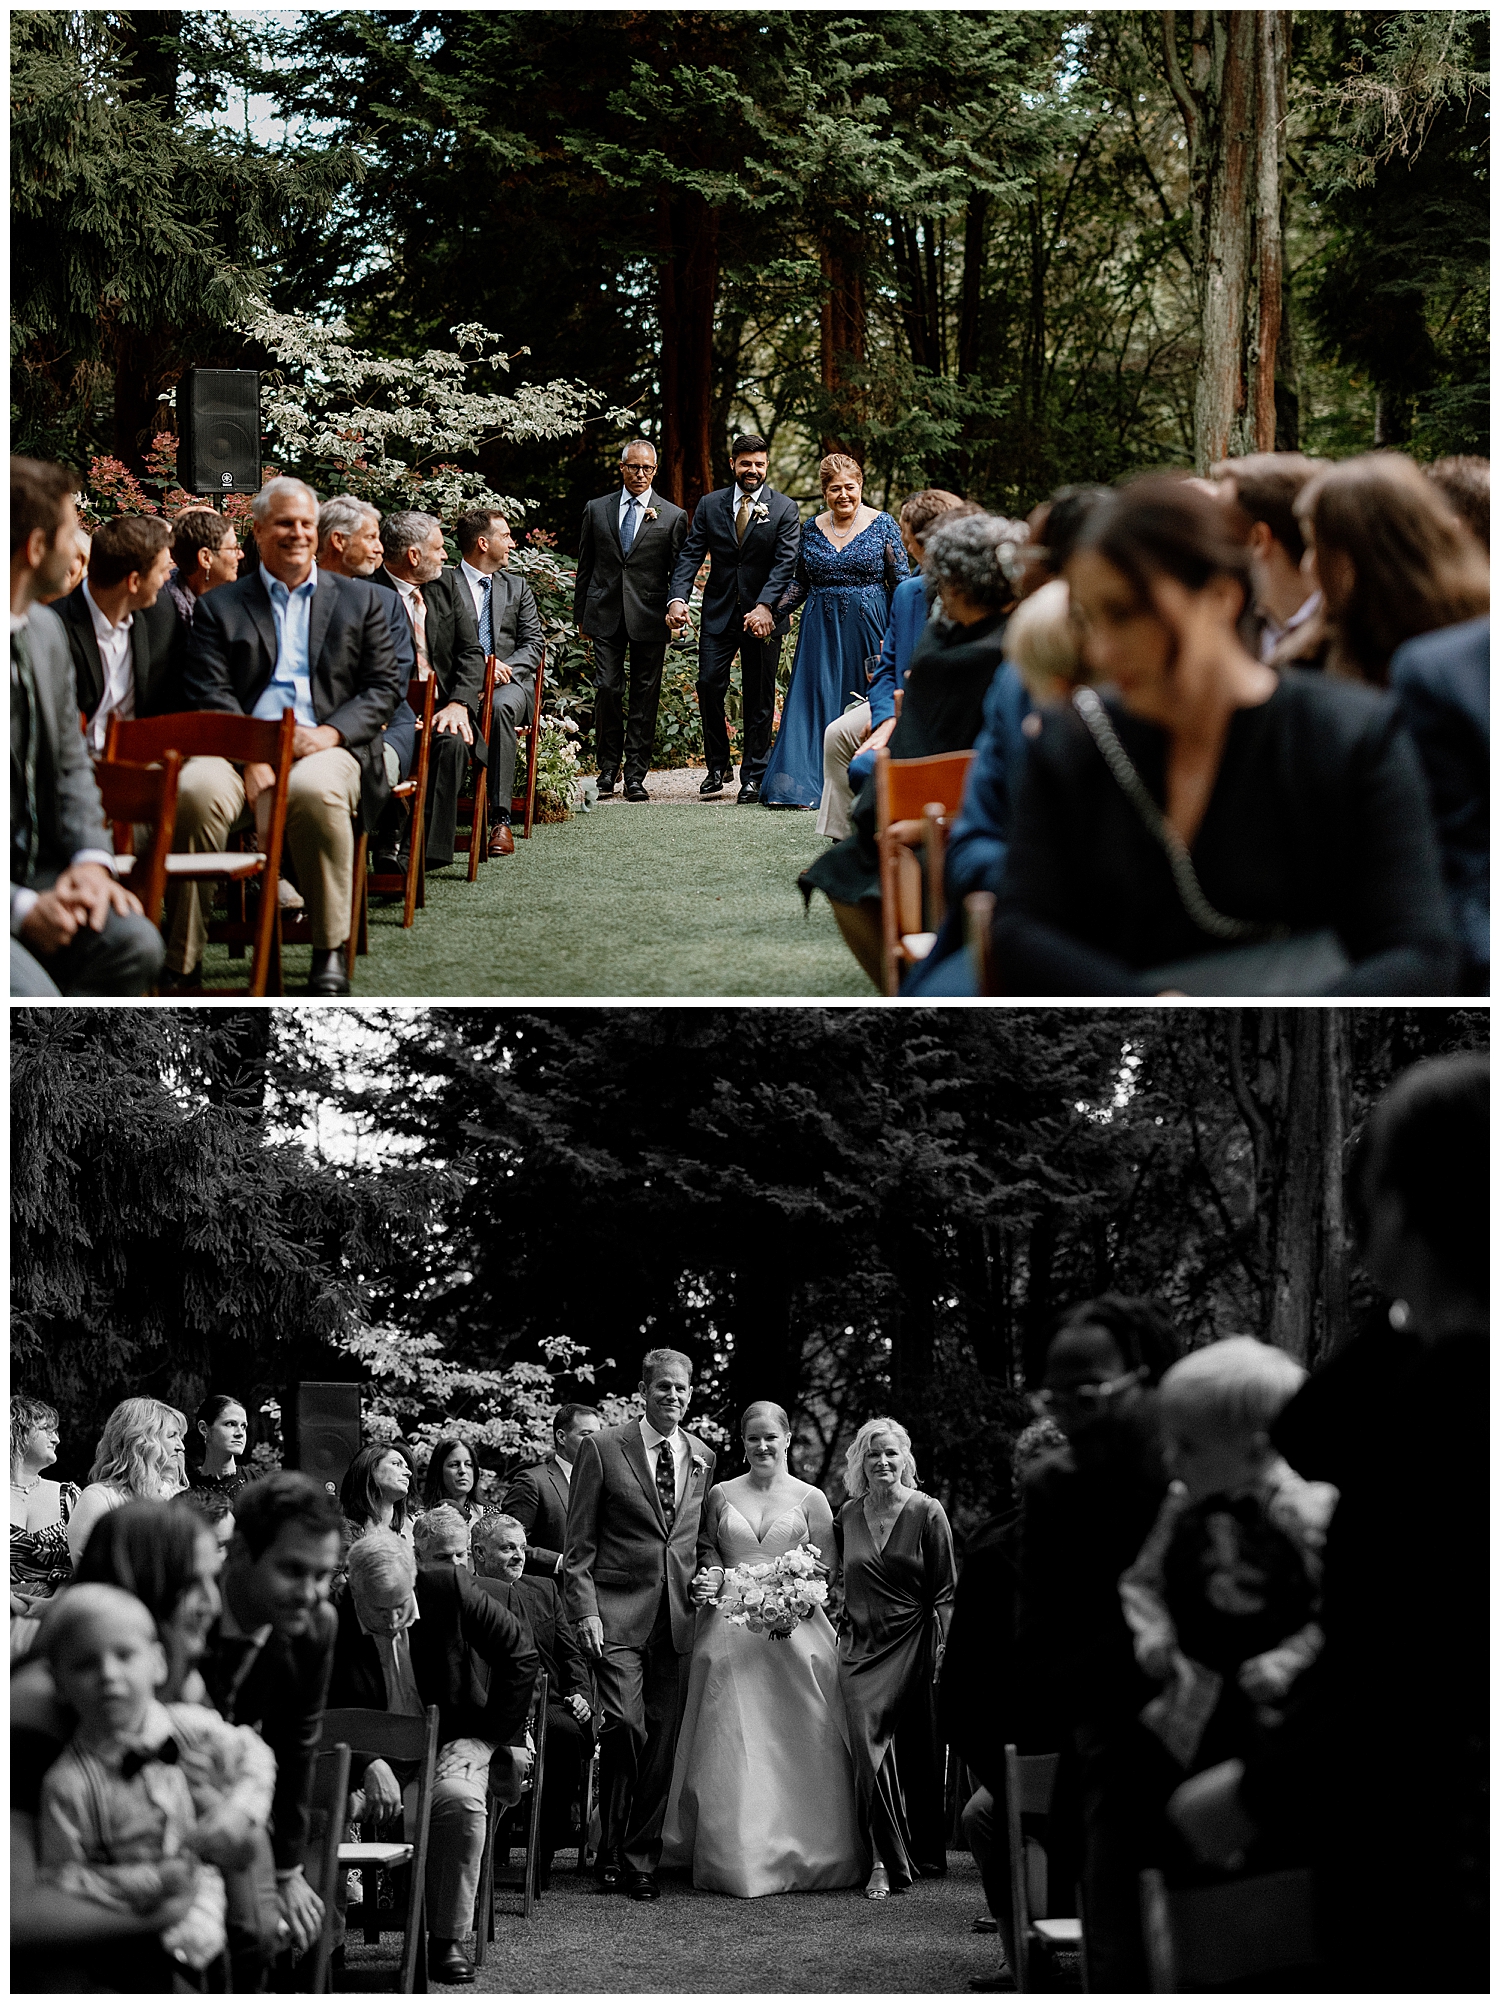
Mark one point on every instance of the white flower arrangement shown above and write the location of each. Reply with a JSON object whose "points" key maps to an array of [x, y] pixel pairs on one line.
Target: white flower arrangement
{"points": [[771, 1596]]}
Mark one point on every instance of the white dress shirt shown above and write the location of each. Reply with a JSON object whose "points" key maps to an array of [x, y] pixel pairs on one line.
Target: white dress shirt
{"points": [[476, 581], [1272, 635], [679, 1450], [642, 502], [119, 670]]}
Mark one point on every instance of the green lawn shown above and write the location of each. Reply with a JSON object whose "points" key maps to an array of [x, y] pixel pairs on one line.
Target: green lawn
{"points": [[629, 900]]}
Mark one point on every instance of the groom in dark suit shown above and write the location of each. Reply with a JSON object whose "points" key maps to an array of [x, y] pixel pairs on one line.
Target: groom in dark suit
{"points": [[626, 552], [634, 1507], [752, 534]]}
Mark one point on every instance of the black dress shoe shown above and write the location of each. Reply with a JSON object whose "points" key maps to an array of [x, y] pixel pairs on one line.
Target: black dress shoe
{"points": [[643, 1886], [328, 976], [607, 784], [447, 1963], [608, 1879], [749, 793], [635, 791], [713, 781]]}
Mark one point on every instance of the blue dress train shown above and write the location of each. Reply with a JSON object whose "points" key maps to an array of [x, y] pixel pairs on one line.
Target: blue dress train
{"points": [[843, 624]]}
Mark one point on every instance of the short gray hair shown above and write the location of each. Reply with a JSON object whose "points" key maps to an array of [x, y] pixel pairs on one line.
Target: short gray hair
{"points": [[381, 1559], [654, 1359], [440, 1521], [637, 441], [342, 514], [481, 1538], [407, 529], [978, 555], [261, 506]]}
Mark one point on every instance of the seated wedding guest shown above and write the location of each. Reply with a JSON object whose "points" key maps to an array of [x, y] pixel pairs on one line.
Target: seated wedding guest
{"points": [[865, 727], [125, 636], [76, 572], [451, 1476], [170, 1559], [1464, 482], [510, 627], [971, 560], [206, 553], [140, 1455], [408, 1639], [215, 1510], [288, 636], [499, 1565], [39, 1510], [1212, 827], [375, 1493], [538, 1497], [1085, 1513], [222, 1429], [446, 639], [1265, 486], [1396, 1839], [73, 929], [349, 547]]}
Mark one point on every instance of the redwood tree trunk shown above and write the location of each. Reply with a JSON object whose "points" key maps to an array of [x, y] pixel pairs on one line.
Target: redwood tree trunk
{"points": [[842, 333], [688, 231], [976, 221]]}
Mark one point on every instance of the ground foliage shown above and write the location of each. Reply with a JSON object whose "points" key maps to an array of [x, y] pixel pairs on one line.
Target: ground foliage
{"points": [[851, 1211]]}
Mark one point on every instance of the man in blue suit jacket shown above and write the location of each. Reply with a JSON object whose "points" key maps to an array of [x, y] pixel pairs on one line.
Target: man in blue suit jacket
{"points": [[752, 535]]}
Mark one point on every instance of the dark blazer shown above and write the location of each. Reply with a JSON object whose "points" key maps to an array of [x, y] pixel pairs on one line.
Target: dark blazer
{"points": [[282, 1694], [401, 731], [355, 681], [158, 647], [537, 1604], [452, 640], [471, 1658], [613, 590], [515, 623], [538, 1500], [620, 1558], [70, 815], [1441, 682], [742, 575]]}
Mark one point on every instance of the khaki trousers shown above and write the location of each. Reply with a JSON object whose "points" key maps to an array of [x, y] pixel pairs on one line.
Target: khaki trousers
{"points": [[321, 801], [841, 741]]}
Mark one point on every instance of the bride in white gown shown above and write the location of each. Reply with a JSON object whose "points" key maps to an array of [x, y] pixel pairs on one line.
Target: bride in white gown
{"points": [[762, 1794]]}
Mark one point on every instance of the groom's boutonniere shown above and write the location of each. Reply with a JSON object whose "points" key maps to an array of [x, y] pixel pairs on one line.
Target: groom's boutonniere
{"points": [[760, 512], [700, 1466], [651, 514]]}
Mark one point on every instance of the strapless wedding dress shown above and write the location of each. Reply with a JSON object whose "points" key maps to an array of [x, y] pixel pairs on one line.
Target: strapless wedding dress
{"points": [[762, 1794]]}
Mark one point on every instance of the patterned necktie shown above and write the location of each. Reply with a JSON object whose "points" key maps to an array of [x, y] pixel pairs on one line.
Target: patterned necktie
{"points": [[486, 623], [666, 1482], [24, 839], [419, 632], [627, 527], [742, 518]]}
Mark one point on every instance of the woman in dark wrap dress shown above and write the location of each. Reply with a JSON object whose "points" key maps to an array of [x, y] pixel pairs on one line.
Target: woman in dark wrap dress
{"points": [[896, 1554]]}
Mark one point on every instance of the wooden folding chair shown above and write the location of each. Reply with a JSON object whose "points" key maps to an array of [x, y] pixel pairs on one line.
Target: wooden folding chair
{"points": [[1029, 1782], [529, 1809], [915, 799], [979, 921], [243, 741], [392, 1736], [473, 828], [525, 803], [142, 796], [410, 884], [1250, 1934], [328, 1808]]}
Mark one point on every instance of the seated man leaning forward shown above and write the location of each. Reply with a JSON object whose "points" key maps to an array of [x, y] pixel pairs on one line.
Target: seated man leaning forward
{"points": [[290, 636], [409, 1639]]}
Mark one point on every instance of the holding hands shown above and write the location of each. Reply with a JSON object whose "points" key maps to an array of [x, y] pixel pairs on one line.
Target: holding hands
{"points": [[704, 1590]]}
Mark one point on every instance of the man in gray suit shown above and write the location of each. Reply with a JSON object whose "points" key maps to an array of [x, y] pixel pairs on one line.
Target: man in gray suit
{"points": [[538, 1496], [634, 1507], [73, 929], [626, 550], [510, 628]]}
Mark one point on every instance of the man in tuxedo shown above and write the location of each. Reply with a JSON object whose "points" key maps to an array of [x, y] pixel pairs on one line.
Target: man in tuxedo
{"points": [[408, 1639], [752, 535], [538, 1497], [349, 546], [267, 1665], [627, 550], [446, 637], [634, 1507], [206, 554], [73, 929], [288, 636], [124, 634], [499, 1550], [510, 628]]}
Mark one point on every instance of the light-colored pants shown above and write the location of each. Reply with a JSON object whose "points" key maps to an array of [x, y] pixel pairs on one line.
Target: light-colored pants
{"points": [[841, 741], [455, 1839], [322, 798]]}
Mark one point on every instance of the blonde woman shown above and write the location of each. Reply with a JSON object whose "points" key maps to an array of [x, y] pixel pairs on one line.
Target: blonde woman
{"points": [[896, 1551], [140, 1458]]}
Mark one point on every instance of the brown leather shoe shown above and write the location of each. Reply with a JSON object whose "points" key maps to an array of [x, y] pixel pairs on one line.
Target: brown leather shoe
{"points": [[502, 842]]}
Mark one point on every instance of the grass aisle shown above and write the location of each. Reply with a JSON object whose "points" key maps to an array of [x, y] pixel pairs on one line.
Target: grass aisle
{"points": [[688, 1941], [653, 899]]}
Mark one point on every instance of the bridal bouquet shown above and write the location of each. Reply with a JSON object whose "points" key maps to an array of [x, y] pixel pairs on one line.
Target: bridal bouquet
{"points": [[771, 1596]]}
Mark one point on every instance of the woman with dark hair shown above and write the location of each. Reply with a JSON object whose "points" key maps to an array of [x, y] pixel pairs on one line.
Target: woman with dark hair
{"points": [[452, 1478], [222, 1425], [970, 560], [1212, 827], [169, 1558], [39, 1509], [375, 1491]]}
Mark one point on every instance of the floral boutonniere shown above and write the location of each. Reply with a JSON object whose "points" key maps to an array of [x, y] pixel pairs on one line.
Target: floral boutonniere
{"points": [[760, 512], [652, 514], [700, 1466]]}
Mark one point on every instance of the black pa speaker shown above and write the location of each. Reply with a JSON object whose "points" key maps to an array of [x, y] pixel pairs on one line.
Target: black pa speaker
{"points": [[218, 431], [325, 1431]]}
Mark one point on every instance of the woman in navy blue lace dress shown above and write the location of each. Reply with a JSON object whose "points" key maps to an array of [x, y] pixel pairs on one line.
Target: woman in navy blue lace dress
{"points": [[850, 562]]}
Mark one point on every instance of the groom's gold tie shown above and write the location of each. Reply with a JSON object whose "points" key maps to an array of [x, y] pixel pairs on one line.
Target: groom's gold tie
{"points": [[666, 1482], [742, 518]]}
